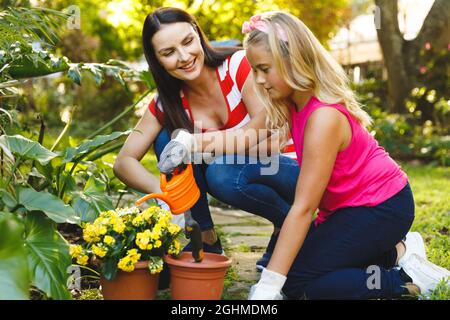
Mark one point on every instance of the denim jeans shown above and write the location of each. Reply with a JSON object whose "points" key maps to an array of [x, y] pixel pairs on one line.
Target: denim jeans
{"points": [[241, 185], [352, 254]]}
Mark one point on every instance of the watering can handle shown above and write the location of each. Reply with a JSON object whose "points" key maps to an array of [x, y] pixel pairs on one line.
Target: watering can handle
{"points": [[161, 196]]}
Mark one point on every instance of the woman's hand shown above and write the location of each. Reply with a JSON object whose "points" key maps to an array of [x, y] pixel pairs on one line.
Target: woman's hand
{"points": [[176, 152]]}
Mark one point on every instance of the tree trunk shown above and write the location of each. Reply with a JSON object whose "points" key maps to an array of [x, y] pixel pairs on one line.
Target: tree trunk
{"points": [[400, 56]]}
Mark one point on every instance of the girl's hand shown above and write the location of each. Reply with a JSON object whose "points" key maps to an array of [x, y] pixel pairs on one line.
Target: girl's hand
{"points": [[268, 287]]}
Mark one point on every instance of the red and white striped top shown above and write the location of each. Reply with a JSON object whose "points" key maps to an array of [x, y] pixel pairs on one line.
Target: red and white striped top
{"points": [[232, 75]]}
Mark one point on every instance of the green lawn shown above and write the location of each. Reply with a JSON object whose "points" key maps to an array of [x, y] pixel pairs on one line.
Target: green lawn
{"points": [[431, 188]]}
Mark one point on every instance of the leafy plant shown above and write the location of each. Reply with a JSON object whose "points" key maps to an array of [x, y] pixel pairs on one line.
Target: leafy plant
{"points": [[31, 212]]}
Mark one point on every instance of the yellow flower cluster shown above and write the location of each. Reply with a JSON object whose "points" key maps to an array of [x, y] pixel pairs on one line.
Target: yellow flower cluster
{"points": [[127, 263], [156, 265], [77, 252], [92, 232], [99, 251], [110, 237], [174, 247]]}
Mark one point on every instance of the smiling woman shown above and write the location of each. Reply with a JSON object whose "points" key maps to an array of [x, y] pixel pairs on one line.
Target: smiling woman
{"points": [[209, 89]]}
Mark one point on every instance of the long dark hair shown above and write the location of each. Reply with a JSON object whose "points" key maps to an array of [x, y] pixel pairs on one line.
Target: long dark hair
{"points": [[169, 87]]}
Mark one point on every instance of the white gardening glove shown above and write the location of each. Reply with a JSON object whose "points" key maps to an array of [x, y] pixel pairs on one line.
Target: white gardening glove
{"points": [[177, 219], [268, 287], [177, 151]]}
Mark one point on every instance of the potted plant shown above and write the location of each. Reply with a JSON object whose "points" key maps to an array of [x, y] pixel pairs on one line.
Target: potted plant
{"points": [[129, 246]]}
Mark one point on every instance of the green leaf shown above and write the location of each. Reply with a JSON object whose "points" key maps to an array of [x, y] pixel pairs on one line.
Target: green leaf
{"points": [[48, 257], [71, 154], [109, 268], [93, 200], [7, 198], [14, 276], [49, 204], [96, 72], [74, 74], [26, 148], [27, 68]]}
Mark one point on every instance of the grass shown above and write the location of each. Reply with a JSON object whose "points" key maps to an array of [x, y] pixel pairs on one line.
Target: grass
{"points": [[431, 189]]}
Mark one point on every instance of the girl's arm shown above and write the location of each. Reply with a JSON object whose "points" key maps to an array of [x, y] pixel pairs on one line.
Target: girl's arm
{"points": [[326, 133], [127, 166]]}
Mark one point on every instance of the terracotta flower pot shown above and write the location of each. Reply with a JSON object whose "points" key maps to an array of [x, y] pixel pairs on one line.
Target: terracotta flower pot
{"points": [[190, 280], [139, 284]]}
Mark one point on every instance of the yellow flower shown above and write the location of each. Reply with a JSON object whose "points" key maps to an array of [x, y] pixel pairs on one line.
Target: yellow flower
{"points": [[126, 264], [91, 233], [101, 252], [134, 255], [83, 260], [142, 239], [109, 240], [155, 265], [173, 228], [174, 247], [158, 243], [119, 226], [138, 220], [75, 250]]}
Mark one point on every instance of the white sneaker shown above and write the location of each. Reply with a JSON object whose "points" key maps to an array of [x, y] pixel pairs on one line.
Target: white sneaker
{"points": [[413, 244], [424, 274]]}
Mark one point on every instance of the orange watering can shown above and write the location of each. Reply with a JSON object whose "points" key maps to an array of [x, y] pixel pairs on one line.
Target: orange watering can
{"points": [[181, 193]]}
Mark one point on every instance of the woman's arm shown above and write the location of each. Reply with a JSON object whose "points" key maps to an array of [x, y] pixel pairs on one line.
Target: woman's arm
{"points": [[242, 139], [127, 166], [326, 133]]}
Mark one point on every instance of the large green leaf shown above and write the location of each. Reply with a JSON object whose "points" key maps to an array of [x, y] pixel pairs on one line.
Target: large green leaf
{"points": [[48, 257], [51, 205], [26, 148], [71, 154], [14, 277]]}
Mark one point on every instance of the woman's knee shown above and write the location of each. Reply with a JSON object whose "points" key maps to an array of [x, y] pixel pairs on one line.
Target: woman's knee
{"points": [[221, 179]]}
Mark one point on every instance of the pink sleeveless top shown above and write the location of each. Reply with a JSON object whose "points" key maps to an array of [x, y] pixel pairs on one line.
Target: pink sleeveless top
{"points": [[363, 174]]}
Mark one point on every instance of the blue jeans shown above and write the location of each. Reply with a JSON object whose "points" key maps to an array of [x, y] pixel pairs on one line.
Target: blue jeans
{"points": [[241, 185], [334, 261]]}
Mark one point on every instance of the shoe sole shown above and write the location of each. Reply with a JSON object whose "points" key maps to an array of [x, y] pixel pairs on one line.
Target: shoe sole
{"points": [[416, 240]]}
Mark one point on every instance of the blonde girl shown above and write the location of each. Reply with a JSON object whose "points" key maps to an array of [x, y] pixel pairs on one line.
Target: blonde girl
{"points": [[365, 203]]}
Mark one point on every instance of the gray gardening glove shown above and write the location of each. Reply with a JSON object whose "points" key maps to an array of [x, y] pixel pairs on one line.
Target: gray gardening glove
{"points": [[176, 152]]}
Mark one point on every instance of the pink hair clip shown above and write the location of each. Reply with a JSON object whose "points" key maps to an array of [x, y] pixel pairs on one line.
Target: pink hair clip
{"points": [[256, 22]]}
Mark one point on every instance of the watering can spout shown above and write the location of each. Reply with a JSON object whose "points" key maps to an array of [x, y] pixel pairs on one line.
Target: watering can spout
{"points": [[161, 196]]}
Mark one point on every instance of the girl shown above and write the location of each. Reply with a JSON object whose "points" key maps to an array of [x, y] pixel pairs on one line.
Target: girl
{"points": [[354, 247], [215, 88]]}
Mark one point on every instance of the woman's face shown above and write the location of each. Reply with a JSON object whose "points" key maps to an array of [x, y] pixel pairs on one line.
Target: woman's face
{"points": [[266, 74], [178, 49]]}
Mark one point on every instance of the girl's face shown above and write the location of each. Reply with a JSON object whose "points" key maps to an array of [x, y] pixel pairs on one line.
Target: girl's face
{"points": [[266, 74], [178, 49]]}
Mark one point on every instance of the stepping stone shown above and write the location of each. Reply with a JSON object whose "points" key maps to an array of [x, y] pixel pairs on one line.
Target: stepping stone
{"points": [[231, 217], [248, 230], [251, 243], [244, 263]]}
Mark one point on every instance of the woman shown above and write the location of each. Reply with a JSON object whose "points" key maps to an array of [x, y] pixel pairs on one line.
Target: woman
{"points": [[214, 87]]}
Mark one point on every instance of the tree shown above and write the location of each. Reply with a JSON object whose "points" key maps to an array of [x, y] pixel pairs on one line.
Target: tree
{"points": [[401, 57]]}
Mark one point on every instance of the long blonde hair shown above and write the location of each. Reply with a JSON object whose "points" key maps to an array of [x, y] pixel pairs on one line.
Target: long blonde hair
{"points": [[304, 64]]}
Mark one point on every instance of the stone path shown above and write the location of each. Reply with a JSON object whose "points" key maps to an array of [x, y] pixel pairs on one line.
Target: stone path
{"points": [[244, 237]]}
